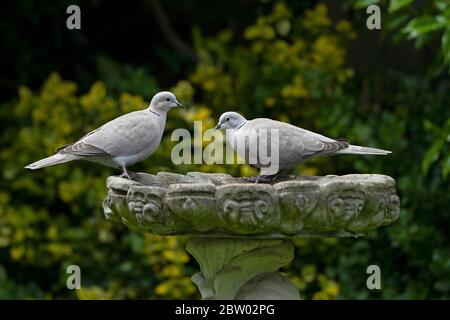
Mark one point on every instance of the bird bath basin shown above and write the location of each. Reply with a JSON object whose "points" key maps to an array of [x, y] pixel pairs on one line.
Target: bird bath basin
{"points": [[239, 231]]}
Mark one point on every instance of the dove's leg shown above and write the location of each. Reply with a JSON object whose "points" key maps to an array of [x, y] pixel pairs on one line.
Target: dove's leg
{"points": [[125, 173], [250, 179], [267, 178], [264, 178]]}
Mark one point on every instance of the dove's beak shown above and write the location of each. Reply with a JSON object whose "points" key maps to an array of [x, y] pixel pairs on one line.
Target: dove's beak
{"points": [[179, 104], [218, 126]]}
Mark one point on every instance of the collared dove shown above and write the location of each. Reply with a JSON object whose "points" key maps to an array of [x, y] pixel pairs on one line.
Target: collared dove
{"points": [[122, 141], [295, 145]]}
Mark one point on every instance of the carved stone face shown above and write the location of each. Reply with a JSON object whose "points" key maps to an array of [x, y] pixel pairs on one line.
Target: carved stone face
{"points": [[382, 207], [146, 205], [246, 211], [387, 209], [297, 199], [113, 205], [193, 204], [249, 209], [346, 208], [345, 205], [393, 209]]}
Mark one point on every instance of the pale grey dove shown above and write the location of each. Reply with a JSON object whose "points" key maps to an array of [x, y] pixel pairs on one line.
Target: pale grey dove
{"points": [[295, 145], [122, 141]]}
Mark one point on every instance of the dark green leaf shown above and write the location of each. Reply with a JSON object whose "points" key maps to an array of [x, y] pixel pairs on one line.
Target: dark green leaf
{"points": [[446, 165], [446, 45], [442, 5], [422, 25], [362, 4], [432, 155], [396, 21], [395, 5], [431, 127]]}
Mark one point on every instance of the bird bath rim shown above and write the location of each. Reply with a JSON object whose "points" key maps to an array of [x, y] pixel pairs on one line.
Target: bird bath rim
{"points": [[220, 206]]}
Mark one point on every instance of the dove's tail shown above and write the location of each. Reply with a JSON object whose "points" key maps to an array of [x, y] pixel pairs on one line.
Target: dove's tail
{"points": [[49, 161], [351, 149]]}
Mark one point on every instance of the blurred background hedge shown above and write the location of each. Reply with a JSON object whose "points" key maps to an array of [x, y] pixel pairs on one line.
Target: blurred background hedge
{"points": [[311, 63]]}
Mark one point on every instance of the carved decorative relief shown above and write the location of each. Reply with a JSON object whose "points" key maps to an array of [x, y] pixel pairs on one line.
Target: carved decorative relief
{"points": [[220, 205], [235, 268], [382, 206], [248, 208], [193, 203], [297, 200], [344, 205], [146, 204], [112, 204], [115, 205]]}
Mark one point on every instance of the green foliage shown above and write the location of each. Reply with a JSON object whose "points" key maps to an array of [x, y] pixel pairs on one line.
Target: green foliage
{"points": [[284, 61], [52, 219], [119, 78], [423, 22], [439, 148], [294, 69]]}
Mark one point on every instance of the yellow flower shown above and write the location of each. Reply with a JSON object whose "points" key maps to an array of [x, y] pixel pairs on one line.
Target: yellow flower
{"points": [[92, 99], [94, 293], [162, 289], [327, 52], [316, 18], [129, 102], [175, 256], [308, 273], [184, 90], [280, 10], [343, 26], [309, 171], [295, 90], [247, 170], [171, 271], [16, 252], [283, 118], [270, 102]]}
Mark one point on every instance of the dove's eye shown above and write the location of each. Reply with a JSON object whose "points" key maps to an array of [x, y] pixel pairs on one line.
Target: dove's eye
{"points": [[167, 99], [227, 119]]}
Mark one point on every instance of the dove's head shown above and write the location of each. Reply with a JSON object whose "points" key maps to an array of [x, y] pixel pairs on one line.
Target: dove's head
{"points": [[230, 120], [164, 101]]}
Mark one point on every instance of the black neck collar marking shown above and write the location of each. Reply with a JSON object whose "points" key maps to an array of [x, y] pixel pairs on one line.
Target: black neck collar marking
{"points": [[153, 112], [241, 125]]}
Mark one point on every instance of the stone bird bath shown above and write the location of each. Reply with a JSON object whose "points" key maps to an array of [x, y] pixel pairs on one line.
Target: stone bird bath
{"points": [[239, 231]]}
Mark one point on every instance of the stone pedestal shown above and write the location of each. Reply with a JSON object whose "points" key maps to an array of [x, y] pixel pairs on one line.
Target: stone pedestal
{"points": [[242, 268], [240, 231]]}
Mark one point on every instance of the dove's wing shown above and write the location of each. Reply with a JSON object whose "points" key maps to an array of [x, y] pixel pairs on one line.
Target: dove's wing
{"points": [[124, 136], [295, 144]]}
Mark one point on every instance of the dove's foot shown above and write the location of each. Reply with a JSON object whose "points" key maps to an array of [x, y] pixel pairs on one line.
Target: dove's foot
{"points": [[264, 178], [250, 179], [129, 175], [125, 175]]}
